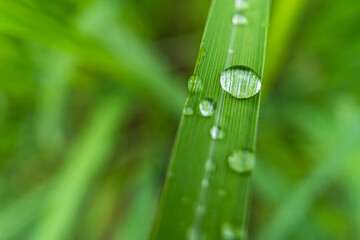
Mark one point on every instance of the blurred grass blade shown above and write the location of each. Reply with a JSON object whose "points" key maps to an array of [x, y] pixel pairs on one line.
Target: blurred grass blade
{"points": [[284, 21], [85, 159], [142, 210], [204, 196], [20, 214], [53, 85], [151, 71], [301, 200], [116, 50]]}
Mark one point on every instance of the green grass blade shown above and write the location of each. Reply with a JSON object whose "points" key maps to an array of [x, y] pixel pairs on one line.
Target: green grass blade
{"points": [[284, 21], [53, 86], [202, 197], [83, 162], [115, 51], [301, 200], [20, 214]]}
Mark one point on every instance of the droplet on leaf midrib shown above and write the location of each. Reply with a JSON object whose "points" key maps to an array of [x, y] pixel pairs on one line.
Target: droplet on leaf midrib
{"points": [[240, 81]]}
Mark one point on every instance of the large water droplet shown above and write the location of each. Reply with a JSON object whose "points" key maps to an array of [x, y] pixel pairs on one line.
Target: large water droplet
{"points": [[207, 107], [216, 133], [242, 161], [239, 19], [229, 232], [194, 84], [188, 111], [241, 5], [240, 81]]}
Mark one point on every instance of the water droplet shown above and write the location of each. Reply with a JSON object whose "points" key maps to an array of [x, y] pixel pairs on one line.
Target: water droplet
{"points": [[209, 165], [240, 81], [241, 5], [205, 183], [239, 19], [194, 84], [216, 133], [188, 111], [202, 54], [229, 232], [242, 161], [207, 107], [230, 51]]}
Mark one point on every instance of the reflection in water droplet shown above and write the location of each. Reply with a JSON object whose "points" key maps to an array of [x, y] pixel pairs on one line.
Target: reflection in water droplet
{"points": [[239, 19], [230, 232], [188, 111], [194, 84], [216, 133], [241, 5], [240, 82], [242, 161], [207, 107]]}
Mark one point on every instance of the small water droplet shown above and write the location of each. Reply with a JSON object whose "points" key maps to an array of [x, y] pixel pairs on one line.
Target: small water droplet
{"points": [[240, 81], [209, 165], [229, 232], [207, 107], [194, 84], [239, 19], [216, 133], [241, 5], [242, 161], [188, 111], [230, 51], [205, 183]]}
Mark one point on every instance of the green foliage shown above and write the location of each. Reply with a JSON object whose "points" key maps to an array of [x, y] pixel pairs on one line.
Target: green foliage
{"points": [[200, 180], [91, 93]]}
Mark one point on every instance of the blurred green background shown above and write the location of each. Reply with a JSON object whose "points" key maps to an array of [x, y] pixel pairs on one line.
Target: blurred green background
{"points": [[91, 93]]}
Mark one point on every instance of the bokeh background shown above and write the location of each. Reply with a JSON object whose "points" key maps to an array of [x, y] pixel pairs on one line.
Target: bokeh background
{"points": [[91, 93]]}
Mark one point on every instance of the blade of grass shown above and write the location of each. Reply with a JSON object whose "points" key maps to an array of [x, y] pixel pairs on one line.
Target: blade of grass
{"points": [[53, 84], [83, 162], [21, 213], [196, 201], [301, 200], [142, 209], [284, 21], [115, 51]]}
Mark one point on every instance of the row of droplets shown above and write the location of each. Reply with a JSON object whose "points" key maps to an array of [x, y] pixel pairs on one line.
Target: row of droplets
{"points": [[240, 161], [239, 18]]}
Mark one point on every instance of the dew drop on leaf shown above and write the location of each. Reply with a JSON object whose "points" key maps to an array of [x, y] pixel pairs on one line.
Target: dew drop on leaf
{"points": [[216, 133], [239, 19], [240, 82], [242, 161], [207, 107]]}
